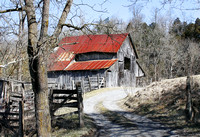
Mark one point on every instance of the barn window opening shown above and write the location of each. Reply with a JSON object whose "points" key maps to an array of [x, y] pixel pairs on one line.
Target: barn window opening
{"points": [[127, 63], [108, 70]]}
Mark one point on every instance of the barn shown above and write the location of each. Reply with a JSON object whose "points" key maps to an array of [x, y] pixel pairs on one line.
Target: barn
{"points": [[94, 60]]}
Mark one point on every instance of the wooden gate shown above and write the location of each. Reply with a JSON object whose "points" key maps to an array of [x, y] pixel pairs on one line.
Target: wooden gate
{"points": [[17, 109], [67, 98]]}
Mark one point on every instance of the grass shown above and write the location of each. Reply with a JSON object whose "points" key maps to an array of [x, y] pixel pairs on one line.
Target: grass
{"points": [[68, 126]]}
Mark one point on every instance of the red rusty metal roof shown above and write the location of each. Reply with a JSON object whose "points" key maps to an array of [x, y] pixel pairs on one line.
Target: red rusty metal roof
{"points": [[70, 46], [91, 65], [93, 43], [58, 65], [59, 60]]}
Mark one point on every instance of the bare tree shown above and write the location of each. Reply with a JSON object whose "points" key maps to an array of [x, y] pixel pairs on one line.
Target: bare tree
{"points": [[109, 26], [185, 55], [37, 13]]}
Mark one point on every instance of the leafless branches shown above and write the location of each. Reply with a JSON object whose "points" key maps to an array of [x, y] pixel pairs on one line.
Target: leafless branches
{"points": [[63, 18], [11, 10]]}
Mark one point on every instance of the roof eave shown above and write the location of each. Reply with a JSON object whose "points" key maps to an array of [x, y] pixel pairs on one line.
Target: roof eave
{"points": [[141, 69]]}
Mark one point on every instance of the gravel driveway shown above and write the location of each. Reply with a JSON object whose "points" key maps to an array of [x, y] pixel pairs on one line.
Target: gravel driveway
{"points": [[145, 127]]}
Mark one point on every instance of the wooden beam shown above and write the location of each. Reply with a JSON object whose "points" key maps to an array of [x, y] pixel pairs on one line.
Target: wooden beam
{"points": [[80, 104], [98, 81], [62, 91], [64, 97], [89, 81], [4, 113], [21, 119], [73, 105]]}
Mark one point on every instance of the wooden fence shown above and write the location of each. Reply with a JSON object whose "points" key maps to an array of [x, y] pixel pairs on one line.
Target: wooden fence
{"points": [[93, 83], [67, 98], [16, 103], [17, 109]]}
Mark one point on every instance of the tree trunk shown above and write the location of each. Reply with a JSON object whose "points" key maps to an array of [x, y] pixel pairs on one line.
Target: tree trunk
{"points": [[40, 87], [38, 71], [43, 118], [37, 53], [37, 66]]}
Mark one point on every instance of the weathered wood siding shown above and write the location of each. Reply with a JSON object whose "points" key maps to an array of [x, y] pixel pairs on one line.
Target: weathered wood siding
{"points": [[126, 76], [121, 73], [67, 79], [112, 76]]}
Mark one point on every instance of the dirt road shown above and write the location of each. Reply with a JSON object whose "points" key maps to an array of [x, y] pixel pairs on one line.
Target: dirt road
{"points": [[141, 125]]}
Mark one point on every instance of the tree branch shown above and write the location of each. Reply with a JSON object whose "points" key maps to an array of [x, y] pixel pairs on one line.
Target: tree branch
{"points": [[85, 26], [11, 10], [75, 27], [9, 63], [62, 18], [32, 26], [45, 19], [92, 7]]}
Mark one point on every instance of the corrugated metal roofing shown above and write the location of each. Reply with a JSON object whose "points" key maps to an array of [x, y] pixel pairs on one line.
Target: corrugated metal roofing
{"points": [[70, 46], [58, 65], [93, 43], [65, 56], [91, 65], [60, 60]]}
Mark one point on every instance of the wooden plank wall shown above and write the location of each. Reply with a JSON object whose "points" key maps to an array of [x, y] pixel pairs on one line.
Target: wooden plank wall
{"points": [[126, 77], [90, 80]]}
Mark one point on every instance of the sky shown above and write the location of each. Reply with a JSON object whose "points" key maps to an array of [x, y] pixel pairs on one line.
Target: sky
{"points": [[122, 10]]}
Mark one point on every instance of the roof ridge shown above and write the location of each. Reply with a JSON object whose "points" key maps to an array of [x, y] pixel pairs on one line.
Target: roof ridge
{"points": [[97, 35]]}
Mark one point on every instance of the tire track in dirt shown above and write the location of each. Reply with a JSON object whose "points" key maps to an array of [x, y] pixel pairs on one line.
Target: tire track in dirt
{"points": [[146, 127]]}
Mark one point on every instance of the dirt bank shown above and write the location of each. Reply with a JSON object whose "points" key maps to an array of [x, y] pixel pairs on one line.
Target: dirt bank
{"points": [[165, 103]]}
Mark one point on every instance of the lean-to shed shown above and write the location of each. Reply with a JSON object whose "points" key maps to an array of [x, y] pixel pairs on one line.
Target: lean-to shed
{"points": [[94, 60]]}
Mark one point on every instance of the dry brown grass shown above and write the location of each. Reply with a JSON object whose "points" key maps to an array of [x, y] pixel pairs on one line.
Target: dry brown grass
{"points": [[67, 126], [165, 102]]}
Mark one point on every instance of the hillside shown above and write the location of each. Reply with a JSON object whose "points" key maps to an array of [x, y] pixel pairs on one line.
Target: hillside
{"points": [[165, 102]]}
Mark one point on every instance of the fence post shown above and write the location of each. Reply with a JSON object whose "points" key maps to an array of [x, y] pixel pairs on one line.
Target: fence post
{"points": [[83, 84], [80, 104], [21, 119], [90, 85], [12, 86], [51, 102], [98, 81], [5, 116]]}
